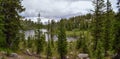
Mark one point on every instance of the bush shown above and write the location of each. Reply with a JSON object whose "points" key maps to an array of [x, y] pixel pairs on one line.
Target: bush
{"points": [[8, 52]]}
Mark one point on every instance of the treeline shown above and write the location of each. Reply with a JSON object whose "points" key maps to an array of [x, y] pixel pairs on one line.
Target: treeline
{"points": [[78, 22]]}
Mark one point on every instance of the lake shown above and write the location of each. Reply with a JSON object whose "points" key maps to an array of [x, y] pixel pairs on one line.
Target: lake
{"points": [[31, 33]]}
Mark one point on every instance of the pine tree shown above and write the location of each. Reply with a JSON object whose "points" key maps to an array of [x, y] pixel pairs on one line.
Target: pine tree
{"points": [[11, 10], [117, 31], [81, 42], [84, 39], [109, 22], [29, 43], [52, 30], [23, 40], [49, 51], [2, 37], [62, 41], [40, 38], [50, 39], [40, 44], [97, 30]]}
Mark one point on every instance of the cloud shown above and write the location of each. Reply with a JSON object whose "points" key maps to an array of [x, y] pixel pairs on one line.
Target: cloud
{"points": [[72, 0], [56, 9]]}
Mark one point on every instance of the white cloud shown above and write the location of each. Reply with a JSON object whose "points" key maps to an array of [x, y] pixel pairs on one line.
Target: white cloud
{"points": [[53, 9]]}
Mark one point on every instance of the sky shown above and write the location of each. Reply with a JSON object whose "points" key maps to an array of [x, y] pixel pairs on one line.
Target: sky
{"points": [[57, 9]]}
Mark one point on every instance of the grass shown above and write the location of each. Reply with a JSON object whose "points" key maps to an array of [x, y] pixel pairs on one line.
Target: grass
{"points": [[76, 33], [72, 33]]}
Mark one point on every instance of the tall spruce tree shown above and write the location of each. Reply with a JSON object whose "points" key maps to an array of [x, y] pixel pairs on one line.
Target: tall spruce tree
{"points": [[117, 32], [49, 51], [84, 38], [29, 43], [62, 41], [2, 37], [40, 38], [81, 42], [97, 30], [49, 35], [11, 10], [52, 30], [109, 22]]}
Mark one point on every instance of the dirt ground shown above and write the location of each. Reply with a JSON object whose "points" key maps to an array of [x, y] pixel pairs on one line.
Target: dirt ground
{"points": [[19, 57]]}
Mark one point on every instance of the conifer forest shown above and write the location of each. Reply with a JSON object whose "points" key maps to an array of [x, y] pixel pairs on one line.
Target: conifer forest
{"points": [[59, 29]]}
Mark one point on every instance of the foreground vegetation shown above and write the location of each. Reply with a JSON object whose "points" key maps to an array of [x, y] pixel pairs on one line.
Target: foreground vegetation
{"points": [[97, 34]]}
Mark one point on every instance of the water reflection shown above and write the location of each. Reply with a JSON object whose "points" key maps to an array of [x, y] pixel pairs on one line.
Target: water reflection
{"points": [[31, 33]]}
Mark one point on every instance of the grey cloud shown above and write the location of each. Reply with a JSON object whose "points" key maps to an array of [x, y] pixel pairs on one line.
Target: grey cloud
{"points": [[51, 8], [56, 8], [73, 0]]}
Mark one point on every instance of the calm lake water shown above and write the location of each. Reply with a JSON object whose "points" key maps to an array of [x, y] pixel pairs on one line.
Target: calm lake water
{"points": [[31, 33]]}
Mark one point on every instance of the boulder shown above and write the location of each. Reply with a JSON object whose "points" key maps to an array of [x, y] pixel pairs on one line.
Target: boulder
{"points": [[13, 55], [67, 57], [3, 52], [28, 52], [82, 55]]}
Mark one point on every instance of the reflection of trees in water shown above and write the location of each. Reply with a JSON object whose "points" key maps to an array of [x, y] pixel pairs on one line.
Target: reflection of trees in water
{"points": [[31, 33]]}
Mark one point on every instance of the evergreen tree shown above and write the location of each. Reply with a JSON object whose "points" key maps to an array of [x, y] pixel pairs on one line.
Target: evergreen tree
{"points": [[62, 41], [29, 42], [117, 32], [50, 42], [23, 40], [49, 51], [52, 31], [11, 10], [81, 42], [40, 38], [2, 37], [84, 39], [40, 44], [97, 30], [109, 22]]}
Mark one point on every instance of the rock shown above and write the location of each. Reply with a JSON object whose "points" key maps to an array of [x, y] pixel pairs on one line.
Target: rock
{"points": [[13, 55], [53, 57], [82, 55], [71, 53], [87, 58], [3, 52], [28, 52], [67, 57]]}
